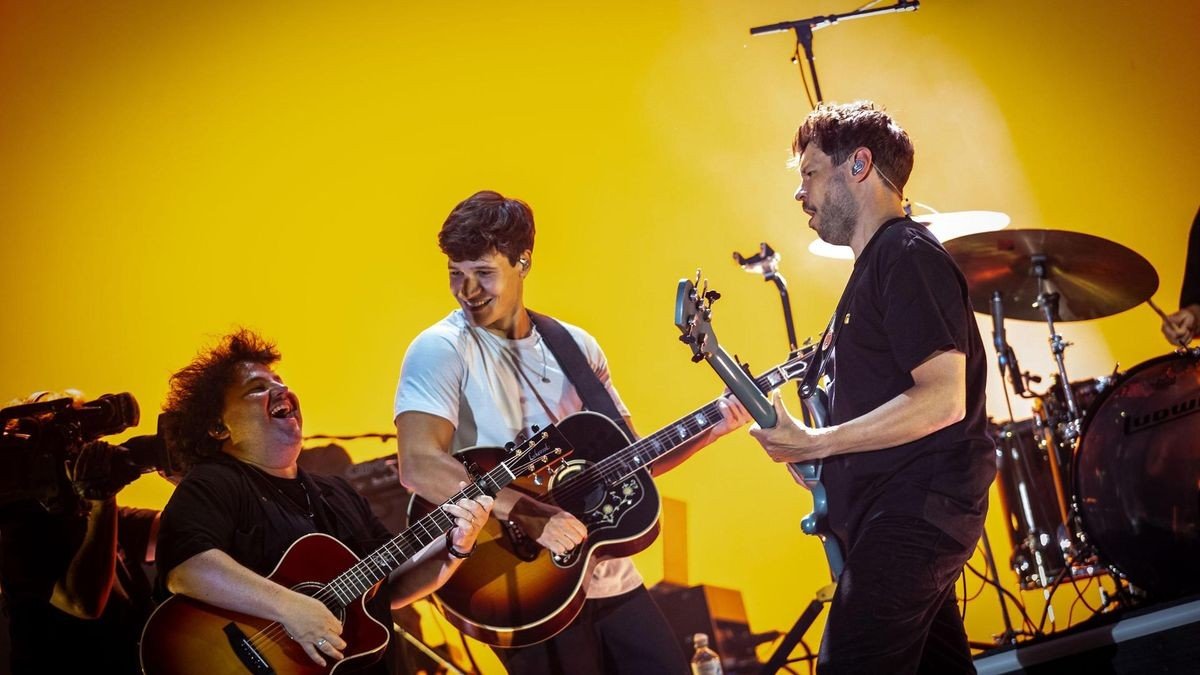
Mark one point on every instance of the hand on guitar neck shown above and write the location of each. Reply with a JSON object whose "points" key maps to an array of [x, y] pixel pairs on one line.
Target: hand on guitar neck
{"points": [[790, 440]]}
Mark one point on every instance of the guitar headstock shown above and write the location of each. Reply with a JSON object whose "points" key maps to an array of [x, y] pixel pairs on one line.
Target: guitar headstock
{"points": [[693, 316], [544, 449]]}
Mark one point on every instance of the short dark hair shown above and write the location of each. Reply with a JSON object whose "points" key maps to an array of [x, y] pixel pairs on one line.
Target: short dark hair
{"points": [[839, 129], [485, 221], [197, 396]]}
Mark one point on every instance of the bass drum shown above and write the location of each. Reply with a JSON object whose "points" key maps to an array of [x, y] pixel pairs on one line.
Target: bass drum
{"points": [[1136, 475]]}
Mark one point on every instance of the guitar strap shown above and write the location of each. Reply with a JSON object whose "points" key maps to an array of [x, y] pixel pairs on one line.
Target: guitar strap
{"points": [[574, 364]]}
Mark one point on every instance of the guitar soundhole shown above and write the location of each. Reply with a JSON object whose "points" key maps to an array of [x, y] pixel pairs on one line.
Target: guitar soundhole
{"points": [[575, 489], [314, 589]]}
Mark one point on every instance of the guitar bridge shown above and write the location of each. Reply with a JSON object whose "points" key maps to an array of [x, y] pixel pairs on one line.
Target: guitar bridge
{"points": [[246, 653], [522, 546]]}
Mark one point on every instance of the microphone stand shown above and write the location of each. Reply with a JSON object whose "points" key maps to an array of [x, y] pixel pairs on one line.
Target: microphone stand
{"points": [[766, 263], [804, 29]]}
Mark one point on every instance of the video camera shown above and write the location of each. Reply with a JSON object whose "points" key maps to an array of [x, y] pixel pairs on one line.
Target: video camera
{"points": [[38, 438]]}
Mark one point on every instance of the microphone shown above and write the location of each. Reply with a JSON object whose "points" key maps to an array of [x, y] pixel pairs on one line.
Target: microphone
{"points": [[1004, 351], [999, 340], [1014, 371]]}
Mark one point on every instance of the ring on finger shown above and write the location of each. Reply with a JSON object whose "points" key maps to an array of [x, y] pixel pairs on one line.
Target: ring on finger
{"points": [[320, 643]]}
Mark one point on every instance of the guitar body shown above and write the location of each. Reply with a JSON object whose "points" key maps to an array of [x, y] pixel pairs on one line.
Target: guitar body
{"points": [[816, 414], [185, 635], [512, 592]]}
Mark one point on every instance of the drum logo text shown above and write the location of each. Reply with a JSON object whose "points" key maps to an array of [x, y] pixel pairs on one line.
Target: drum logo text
{"points": [[1136, 423]]}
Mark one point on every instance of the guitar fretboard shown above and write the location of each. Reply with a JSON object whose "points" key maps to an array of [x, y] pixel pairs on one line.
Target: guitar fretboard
{"points": [[376, 566], [642, 453]]}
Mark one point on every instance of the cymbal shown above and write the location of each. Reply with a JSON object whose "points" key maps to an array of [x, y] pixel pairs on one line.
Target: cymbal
{"points": [[1094, 277], [944, 226]]}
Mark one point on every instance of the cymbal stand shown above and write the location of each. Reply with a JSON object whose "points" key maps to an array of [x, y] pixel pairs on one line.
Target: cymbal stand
{"points": [[1048, 303], [1070, 535]]}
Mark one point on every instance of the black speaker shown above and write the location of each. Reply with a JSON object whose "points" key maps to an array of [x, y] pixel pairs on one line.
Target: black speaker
{"points": [[376, 479], [716, 612], [379, 481]]}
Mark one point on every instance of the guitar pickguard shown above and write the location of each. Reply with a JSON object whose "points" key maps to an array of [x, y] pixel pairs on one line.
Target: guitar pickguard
{"points": [[619, 499], [599, 508]]}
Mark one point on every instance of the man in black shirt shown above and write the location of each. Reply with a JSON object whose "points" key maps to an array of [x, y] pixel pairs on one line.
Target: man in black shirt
{"points": [[907, 462], [244, 501]]}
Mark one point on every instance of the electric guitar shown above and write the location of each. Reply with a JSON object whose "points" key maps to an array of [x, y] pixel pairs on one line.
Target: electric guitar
{"points": [[512, 592], [185, 635], [693, 316]]}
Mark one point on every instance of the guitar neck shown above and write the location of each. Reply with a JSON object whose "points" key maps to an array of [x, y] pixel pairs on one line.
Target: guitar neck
{"points": [[376, 566], [646, 451], [741, 386]]}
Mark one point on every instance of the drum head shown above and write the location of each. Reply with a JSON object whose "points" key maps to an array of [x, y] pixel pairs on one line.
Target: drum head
{"points": [[1137, 475]]}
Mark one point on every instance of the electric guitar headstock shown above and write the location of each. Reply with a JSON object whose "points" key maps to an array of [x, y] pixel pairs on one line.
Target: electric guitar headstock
{"points": [[693, 317]]}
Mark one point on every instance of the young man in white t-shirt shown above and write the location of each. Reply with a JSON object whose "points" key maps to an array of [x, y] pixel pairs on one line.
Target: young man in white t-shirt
{"points": [[483, 376]]}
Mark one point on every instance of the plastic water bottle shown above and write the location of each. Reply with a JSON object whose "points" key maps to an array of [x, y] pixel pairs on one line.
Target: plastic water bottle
{"points": [[704, 661]]}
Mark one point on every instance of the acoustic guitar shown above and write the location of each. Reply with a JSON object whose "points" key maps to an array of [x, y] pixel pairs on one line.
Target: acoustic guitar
{"points": [[512, 592], [185, 635]]}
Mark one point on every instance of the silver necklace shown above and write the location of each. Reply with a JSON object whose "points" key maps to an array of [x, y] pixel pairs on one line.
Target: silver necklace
{"points": [[512, 354], [542, 353]]}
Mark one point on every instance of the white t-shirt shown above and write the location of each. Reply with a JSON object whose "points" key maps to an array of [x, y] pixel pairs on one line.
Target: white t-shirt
{"points": [[493, 390]]}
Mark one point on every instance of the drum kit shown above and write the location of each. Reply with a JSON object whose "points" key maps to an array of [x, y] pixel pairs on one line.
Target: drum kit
{"points": [[1105, 475]]}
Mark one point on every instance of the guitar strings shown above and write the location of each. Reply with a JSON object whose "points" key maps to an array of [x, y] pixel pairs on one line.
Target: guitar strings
{"points": [[577, 486], [615, 463], [273, 631], [597, 473]]}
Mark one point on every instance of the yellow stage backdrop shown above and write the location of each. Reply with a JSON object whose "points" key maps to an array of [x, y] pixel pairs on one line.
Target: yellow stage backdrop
{"points": [[171, 170]]}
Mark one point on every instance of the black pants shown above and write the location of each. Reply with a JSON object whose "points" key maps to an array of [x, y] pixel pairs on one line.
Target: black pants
{"points": [[624, 634], [894, 610]]}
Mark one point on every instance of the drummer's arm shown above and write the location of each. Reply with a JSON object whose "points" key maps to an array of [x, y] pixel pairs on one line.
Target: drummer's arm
{"points": [[937, 399]]}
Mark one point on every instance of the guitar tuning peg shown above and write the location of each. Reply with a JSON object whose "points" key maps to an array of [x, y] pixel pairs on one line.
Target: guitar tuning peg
{"points": [[712, 296], [697, 358], [535, 428], [687, 339], [537, 479]]}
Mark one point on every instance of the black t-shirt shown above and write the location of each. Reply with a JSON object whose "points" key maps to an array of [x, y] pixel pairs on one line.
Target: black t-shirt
{"points": [[36, 547], [906, 301], [231, 506]]}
